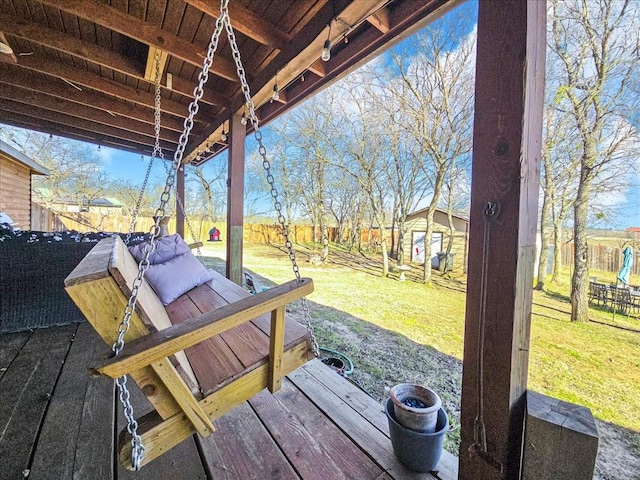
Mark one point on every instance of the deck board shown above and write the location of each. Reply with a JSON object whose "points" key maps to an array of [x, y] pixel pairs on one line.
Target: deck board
{"points": [[59, 439], [254, 455], [319, 426], [25, 391], [315, 447], [10, 346]]}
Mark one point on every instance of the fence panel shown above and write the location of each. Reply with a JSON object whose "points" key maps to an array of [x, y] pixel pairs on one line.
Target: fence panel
{"points": [[46, 220], [601, 257]]}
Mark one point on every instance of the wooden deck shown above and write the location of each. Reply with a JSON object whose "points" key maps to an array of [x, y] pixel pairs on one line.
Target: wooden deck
{"points": [[58, 423]]}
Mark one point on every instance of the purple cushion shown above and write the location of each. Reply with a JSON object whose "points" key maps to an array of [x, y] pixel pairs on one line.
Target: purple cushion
{"points": [[177, 276], [166, 248]]}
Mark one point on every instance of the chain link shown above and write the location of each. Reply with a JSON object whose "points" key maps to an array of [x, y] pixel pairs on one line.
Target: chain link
{"points": [[136, 209], [137, 448], [157, 150], [266, 164], [186, 219], [223, 21]]}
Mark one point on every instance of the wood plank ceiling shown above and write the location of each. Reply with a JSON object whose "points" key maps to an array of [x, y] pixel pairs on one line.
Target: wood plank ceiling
{"points": [[83, 69]]}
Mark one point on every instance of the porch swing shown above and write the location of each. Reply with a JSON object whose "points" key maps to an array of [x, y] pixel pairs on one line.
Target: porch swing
{"points": [[214, 346]]}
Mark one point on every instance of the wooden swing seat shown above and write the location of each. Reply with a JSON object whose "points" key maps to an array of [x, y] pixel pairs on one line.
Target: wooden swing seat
{"points": [[211, 349]]}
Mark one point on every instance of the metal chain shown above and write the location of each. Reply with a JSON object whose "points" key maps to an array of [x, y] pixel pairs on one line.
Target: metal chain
{"points": [[157, 150], [224, 15], [186, 219], [136, 209], [137, 448]]}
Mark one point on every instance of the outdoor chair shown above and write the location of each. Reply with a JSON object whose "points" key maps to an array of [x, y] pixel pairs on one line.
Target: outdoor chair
{"points": [[624, 301], [598, 293]]}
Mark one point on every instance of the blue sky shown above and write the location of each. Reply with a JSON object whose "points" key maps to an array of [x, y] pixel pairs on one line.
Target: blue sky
{"points": [[127, 166]]}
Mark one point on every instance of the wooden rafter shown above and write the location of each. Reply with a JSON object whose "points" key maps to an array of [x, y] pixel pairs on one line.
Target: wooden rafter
{"points": [[13, 75], [381, 20], [82, 78], [52, 127], [150, 68], [247, 22], [358, 49], [93, 53], [133, 27], [93, 127], [53, 104]]}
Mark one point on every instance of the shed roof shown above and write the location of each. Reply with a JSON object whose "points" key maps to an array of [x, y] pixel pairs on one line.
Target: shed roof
{"points": [[20, 157], [423, 211]]}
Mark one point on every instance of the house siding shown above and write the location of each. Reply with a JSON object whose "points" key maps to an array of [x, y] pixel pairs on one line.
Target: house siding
{"points": [[418, 223], [15, 191]]}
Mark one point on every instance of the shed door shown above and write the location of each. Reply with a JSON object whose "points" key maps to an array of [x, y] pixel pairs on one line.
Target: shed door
{"points": [[417, 247]]}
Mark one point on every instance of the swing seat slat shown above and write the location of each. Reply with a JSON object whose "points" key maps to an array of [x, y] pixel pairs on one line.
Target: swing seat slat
{"points": [[211, 349]]}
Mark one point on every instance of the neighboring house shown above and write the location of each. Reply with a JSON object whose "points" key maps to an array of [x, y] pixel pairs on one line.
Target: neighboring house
{"points": [[416, 228], [101, 205], [16, 170]]}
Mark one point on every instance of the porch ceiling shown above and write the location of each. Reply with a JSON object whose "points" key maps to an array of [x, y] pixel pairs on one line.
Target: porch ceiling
{"points": [[82, 68]]}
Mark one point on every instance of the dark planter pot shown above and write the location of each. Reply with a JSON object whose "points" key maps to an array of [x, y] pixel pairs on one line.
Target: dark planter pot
{"points": [[417, 451]]}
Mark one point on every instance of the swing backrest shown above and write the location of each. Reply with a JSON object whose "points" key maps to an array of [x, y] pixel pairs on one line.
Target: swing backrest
{"points": [[101, 285]]}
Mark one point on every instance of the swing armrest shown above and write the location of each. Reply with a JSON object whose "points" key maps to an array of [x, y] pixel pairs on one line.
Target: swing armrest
{"points": [[163, 343]]}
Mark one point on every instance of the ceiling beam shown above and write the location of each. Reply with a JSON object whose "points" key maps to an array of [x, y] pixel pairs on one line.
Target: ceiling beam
{"points": [[380, 20], [133, 27], [14, 75], [98, 130], [44, 126], [247, 22], [29, 97], [150, 69], [95, 54], [93, 81]]}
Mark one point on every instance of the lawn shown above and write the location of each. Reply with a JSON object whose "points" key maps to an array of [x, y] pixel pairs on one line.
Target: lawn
{"points": [[596, 364]]}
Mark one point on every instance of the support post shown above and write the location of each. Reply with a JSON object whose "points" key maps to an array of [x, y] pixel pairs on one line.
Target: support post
{"points": [[507, 142], [235, 199], [180, 197]]}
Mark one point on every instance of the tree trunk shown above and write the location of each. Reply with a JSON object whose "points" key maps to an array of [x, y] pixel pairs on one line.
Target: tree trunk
{"points": [[385, 256], [324, 234], [401, 243], [426, 272], [557, 251], [580, 280], [544, 243]]}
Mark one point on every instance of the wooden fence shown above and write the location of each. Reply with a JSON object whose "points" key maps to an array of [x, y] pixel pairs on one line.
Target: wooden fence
{"points": [[46, 220], [605, 258]]}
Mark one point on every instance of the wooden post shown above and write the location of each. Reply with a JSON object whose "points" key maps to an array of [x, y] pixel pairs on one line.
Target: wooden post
{"points": [[235, 199], [504, 199], [180, 197], [561, 440]]}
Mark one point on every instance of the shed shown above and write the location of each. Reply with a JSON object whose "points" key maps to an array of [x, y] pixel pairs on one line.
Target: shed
{"points": [[416, 228], [16, 170]]}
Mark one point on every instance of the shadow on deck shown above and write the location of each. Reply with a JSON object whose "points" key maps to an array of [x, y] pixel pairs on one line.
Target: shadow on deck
{"points": [[57, 422]]}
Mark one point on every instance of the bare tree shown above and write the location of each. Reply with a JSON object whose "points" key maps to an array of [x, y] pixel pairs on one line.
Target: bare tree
{"points": [[210, 185], [598, 60], [435, 92]]}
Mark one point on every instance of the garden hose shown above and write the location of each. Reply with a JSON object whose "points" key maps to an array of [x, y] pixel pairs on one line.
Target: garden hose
{"points": [[347, 371]]}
